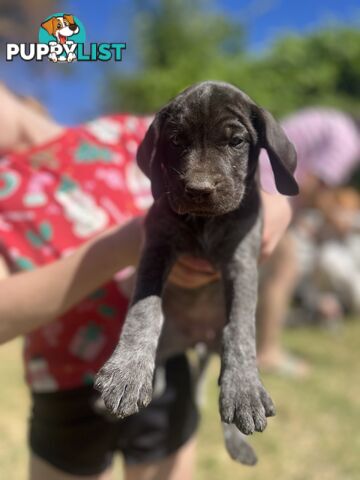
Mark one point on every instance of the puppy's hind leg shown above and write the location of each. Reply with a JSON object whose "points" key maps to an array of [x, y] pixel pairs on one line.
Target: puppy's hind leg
{"points": [[236, 445]]}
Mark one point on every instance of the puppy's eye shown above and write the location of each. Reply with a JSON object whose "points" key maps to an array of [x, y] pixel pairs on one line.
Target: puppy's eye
{"points": [[178, 141], [66, 23], [235, 141], [59, 25], [175, 140]]}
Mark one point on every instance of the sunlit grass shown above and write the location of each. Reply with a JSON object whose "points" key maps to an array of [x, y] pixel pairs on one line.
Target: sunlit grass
{"points": [[315, 434]]}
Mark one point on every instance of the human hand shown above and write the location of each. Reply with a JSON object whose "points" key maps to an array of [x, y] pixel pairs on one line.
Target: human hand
{"points": [[277, 217], [192, 272], [187, 272]]}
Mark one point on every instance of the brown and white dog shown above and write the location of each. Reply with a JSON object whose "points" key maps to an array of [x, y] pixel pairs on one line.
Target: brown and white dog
{"points": [[61, 28]]}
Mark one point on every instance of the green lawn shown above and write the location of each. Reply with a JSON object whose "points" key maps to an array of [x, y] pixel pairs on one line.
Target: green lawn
{"points": [[315, 434]]}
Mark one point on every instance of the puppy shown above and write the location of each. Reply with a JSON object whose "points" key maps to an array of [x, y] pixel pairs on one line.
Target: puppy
{"points": [[201, 154]]}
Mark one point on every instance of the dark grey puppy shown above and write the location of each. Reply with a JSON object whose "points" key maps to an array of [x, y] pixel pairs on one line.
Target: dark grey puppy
{"points": [[201, 154]]}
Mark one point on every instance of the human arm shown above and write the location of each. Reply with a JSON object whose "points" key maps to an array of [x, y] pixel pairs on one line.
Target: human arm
{"points": [[31, 299], [277, 217]]}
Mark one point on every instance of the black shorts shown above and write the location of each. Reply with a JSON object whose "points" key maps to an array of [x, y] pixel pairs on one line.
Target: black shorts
{"points": [[68, 430]]}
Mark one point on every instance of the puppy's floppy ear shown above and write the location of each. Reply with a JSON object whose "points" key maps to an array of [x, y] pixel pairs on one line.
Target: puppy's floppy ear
{"points": [[149, 156], [50, 25], [69, 18], [281, 151]]}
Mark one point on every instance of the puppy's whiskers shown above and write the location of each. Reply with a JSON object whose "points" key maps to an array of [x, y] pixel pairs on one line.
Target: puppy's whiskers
{"points": [[181, 174]]}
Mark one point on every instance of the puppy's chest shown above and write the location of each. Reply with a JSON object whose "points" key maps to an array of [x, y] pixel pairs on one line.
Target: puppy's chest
{"points": [[202, 237]]}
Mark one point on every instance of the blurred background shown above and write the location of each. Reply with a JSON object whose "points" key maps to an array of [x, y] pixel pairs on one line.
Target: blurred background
{"points": [[287, 56]]}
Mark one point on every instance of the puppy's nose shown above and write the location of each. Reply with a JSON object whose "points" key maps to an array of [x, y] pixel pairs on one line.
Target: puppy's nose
{"points": [[73, 27], [199, 190]]}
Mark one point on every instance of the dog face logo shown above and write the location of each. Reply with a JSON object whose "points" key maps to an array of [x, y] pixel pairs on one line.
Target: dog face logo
{"points": [[61, 27], [62, 32]]}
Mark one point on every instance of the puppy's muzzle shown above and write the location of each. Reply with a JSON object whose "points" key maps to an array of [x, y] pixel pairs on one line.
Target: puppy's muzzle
{"points": [[199, 191]]}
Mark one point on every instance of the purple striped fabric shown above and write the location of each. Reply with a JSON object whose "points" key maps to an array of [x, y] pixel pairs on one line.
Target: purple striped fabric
{"points": [[327, 143]]}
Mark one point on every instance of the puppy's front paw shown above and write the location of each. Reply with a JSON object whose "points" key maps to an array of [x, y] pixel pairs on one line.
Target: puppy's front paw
{"points": [[125, 383], [244, 401], [53, 57]]}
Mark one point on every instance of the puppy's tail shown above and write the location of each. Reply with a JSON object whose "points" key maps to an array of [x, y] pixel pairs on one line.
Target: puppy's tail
{"points": [[239, 450], [236, 445]]}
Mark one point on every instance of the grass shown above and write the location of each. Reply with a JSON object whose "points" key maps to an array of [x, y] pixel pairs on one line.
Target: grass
{"points": [[315, 434]]}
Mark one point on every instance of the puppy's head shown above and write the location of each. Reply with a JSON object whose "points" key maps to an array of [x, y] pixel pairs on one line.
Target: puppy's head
{"points": [[202, 149]]}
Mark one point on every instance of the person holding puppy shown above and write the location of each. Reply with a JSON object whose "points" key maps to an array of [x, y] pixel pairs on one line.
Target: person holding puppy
{"points": [[71, 206], [327, 142]]}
